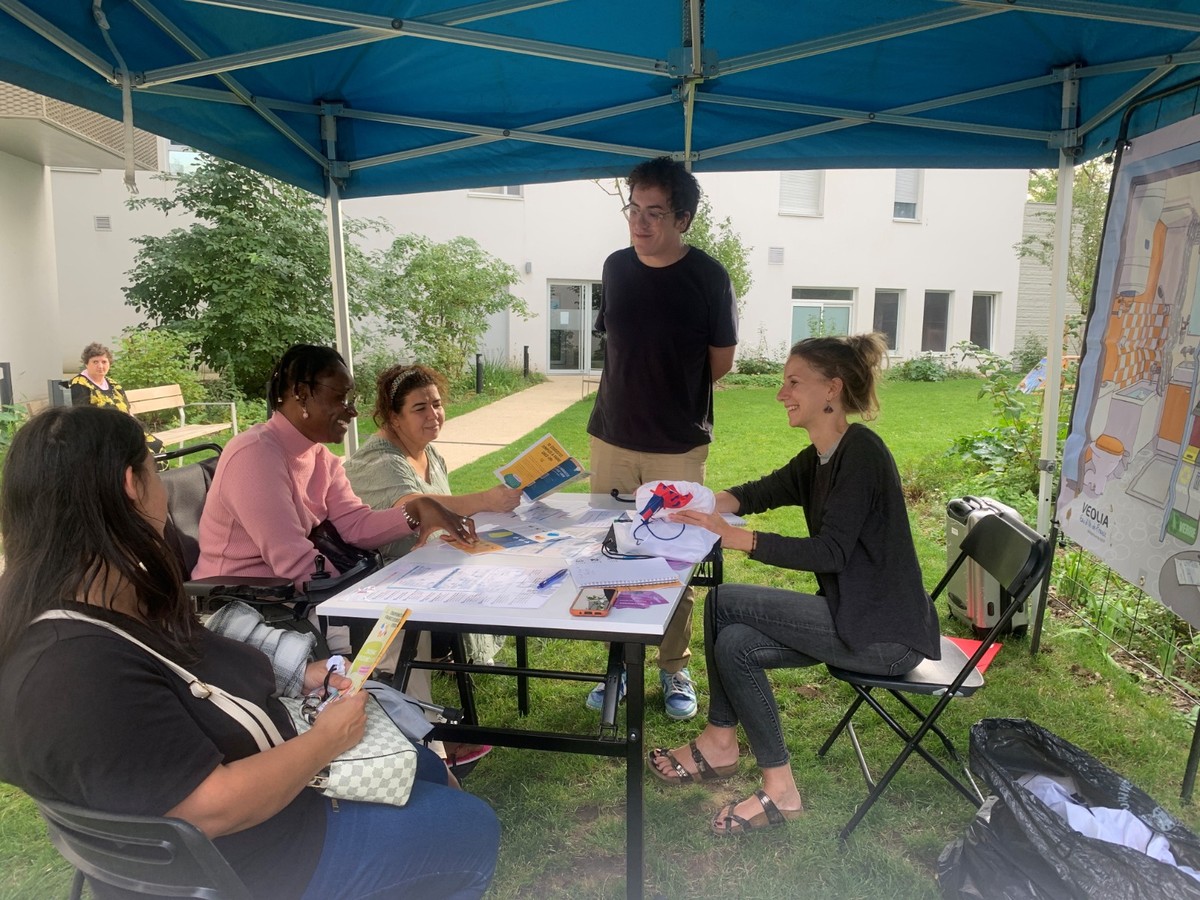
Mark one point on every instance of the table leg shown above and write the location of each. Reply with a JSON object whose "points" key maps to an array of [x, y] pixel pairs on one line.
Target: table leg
{"points": [[522, 680], [635, 697], [466, 688]]}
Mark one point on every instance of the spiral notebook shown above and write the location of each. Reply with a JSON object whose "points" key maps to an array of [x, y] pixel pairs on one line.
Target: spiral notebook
{"points": [[600, 571]]}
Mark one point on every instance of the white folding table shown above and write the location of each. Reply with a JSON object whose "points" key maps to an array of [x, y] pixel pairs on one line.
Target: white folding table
{"points": [[628, 631]]}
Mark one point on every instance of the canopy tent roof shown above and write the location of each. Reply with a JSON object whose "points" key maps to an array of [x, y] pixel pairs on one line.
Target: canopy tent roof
{"points": [[399, 96]]}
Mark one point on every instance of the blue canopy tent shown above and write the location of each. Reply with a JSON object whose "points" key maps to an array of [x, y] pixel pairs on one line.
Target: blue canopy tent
{"points": [[354, 98]]}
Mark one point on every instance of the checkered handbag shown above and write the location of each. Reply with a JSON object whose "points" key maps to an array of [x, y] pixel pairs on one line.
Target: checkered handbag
{"points": [[380, 768]]}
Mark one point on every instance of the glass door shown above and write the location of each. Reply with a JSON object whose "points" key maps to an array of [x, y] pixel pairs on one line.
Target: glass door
{"points": [[573, 309]]}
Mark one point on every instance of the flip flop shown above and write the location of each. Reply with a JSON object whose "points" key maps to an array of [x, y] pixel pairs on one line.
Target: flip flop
{"points": [[680, 775], [771, 817]]}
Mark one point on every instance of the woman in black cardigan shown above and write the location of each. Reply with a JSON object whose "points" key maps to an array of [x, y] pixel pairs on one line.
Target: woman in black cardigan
{"points": [[871, 613]]}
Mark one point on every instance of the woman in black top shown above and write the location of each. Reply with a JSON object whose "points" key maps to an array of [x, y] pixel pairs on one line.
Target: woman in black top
{"points": [[93, 720], [871, 612]]}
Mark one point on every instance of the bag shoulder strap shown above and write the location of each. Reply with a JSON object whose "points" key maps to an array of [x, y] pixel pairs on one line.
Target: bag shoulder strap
{"points": [[249, 715]]}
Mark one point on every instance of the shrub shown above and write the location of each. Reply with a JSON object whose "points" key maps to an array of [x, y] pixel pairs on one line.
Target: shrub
{"points": [[501, 377], [1030, 352], [1008, 451], [152, 357], [926, 367], [740, 379], [762, 358], [757, 365]]}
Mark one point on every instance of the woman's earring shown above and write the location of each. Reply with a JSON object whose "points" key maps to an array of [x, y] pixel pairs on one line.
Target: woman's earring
{"points": [[828, 407], [304, 409]]}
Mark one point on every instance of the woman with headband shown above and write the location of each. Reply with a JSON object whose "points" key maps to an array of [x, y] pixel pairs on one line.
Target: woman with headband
{"points": [[399, 462]]}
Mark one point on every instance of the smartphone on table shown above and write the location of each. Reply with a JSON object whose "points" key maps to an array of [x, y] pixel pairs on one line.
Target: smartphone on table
{"points": [[593, 602]]}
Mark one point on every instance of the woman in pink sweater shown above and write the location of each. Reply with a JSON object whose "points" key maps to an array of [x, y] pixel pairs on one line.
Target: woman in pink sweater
{"points": [[277, 481]]}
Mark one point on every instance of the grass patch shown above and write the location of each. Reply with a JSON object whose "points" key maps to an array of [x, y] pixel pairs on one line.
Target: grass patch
{"points": [[563, 815]]}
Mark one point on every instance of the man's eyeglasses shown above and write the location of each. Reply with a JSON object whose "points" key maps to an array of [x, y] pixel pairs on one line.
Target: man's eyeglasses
{"points": [[654, 215], [346, 400]]}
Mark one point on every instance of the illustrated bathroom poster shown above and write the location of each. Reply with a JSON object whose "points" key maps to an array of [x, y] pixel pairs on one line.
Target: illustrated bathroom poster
{"points": [[1130, 491]]}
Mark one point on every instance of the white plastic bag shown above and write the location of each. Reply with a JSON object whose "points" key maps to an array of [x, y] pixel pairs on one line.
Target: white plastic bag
{"points": [[650, 534]]}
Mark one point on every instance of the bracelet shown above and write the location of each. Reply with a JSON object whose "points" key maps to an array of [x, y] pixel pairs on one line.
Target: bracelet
{"points": [[753, 542], [413, 522]]}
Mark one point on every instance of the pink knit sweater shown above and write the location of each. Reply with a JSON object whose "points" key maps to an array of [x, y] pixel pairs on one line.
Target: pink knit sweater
{"points": [[272, 486]]}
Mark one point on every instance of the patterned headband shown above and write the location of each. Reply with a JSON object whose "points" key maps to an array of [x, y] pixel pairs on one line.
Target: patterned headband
{"points": [[402, 377]]}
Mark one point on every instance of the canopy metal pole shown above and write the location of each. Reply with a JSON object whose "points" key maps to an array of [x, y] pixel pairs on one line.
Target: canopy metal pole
{"points": [[337, 266], [1052, 391]]}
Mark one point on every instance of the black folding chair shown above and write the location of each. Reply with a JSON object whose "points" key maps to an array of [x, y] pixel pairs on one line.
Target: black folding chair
{"points": [[142, 854], [1019, 559]]}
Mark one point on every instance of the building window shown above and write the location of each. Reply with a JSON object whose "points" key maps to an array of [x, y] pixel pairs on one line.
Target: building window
{"points": [[802, 193], [821, 311], [983, 307], [907, 205], [935, 324], [181, 158], [505, 190], [887, 316]]}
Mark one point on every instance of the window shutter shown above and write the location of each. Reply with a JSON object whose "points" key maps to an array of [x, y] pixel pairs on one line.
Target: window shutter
{"points": [[908, 185], [801, 193]]}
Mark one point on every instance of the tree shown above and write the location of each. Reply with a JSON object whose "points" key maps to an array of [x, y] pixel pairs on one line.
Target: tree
{"points": [[722, 243], [437, 297], [1089, 200], [249, 277]]}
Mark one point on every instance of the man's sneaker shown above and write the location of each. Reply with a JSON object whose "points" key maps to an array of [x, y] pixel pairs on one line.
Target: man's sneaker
{"points": [[679, 694], [595, 700]]}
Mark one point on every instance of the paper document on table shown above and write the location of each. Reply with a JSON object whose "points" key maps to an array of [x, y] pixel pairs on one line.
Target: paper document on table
{"points": [[601, 571], [1187, 571], [542, 469], [585, 517], [495, 586]]}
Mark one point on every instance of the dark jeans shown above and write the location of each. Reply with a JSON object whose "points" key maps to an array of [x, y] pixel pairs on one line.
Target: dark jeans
{"points": [[443, 843], [749, 629]]}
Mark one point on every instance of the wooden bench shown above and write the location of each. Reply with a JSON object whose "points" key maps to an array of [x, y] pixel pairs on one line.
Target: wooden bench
{"points": [[590, 382], [169, 396]]}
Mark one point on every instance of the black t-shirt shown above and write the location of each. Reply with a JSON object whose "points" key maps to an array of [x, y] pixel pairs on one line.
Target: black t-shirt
{"points": [[93, 720], [656, 389]]}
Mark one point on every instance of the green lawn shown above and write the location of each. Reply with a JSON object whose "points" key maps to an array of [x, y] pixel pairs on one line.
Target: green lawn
{"points": [[563, 815]]}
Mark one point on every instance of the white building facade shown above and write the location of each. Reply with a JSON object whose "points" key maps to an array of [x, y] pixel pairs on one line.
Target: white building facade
{"points": [[926, 256]]}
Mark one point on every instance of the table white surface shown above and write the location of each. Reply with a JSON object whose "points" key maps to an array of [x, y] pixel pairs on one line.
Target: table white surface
{"points": [[560, 512]]}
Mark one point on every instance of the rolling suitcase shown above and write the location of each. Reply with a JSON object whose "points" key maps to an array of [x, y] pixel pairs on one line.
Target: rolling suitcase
{"points": [[973, 595]]}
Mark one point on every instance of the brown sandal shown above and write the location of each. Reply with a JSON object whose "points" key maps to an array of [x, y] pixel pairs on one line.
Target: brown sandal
{"points": [[771, 817], [680, 775]]}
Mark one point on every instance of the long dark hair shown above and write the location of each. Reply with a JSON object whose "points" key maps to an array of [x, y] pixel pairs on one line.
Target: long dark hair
{"points": [[69, 526], [300, 364]]}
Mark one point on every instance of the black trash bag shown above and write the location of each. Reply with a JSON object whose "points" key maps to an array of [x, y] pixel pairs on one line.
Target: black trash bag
{"points": [[1017, 848]]}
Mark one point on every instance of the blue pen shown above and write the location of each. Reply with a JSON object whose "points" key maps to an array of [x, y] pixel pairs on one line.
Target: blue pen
{"points": [[546, 582]]}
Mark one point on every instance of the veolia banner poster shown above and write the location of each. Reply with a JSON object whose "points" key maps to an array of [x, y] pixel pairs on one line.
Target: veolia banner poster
{"points": [[1130, 491]]}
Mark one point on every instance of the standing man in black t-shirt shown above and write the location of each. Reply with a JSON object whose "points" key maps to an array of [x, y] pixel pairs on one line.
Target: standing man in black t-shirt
{"points": [[669, 315]]}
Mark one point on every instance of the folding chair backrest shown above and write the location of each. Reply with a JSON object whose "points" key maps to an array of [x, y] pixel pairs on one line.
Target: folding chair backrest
{"points": [[1008, 550], [187, 489], [142, 854]]}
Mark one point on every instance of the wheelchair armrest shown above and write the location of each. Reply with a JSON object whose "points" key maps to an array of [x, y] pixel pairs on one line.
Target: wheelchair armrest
{"points": [[324, 587], [248, 588]]}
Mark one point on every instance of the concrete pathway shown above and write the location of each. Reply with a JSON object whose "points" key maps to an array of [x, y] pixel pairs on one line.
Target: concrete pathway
{"points": [[472, 435]]}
